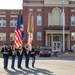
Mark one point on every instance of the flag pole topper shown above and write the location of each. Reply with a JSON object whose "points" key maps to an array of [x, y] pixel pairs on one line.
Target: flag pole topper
{"points": [[20, 12]]}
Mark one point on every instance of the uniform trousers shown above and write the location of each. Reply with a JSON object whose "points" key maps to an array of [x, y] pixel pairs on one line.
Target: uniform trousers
{"points": [[27, 60], [5, 61], [13, 61], [33, 60], [19, 61]]}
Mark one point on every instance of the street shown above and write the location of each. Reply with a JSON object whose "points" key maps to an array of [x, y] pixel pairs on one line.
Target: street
{"points": [[43, 66]]}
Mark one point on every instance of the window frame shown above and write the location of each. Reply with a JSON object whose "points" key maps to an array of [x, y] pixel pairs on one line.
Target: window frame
{"points": [[72, 21], [39, 17], [40, 36], [71, 36], [13, 36], [3, 35], [14, 22], [1, 22]]}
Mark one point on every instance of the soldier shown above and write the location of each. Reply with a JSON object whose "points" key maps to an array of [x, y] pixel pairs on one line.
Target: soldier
{"points": [[13, 53], [27, 55], [20, 54], [24, 51], [5, 52], [33, 54]]}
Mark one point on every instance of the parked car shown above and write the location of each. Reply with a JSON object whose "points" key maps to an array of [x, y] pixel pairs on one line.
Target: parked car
{"points": [[44, 51], [70, 50]]}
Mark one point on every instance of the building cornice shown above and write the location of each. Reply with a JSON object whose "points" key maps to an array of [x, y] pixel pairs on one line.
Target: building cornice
{"points": [[71, 5], [14, 16], [57, 5], [2, 15], [47, 3], [33, 4], [57, 31]]}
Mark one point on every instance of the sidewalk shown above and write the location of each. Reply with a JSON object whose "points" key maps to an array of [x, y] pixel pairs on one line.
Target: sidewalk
{"points": [[66, 54]]}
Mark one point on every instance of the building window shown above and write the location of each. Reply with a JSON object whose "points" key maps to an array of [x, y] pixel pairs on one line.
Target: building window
{"points": [[39, 10], [55, 17], [12, 36], [30, 9], [14, 12], [2, 23], [72, 20], [2, 12], [73, 35], [39, 20], [39, 35], [13, 23], [2, 36]]}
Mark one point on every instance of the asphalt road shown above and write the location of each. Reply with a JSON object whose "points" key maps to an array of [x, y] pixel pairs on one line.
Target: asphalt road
{"points": [[43, 66]]}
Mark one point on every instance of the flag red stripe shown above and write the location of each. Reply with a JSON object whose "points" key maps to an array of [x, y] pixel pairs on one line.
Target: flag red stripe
{"points": [[18, 33], [18, 39], [19, 36]]}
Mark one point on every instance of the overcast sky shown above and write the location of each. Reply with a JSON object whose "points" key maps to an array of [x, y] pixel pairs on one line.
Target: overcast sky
{"points": [[11, 4]]}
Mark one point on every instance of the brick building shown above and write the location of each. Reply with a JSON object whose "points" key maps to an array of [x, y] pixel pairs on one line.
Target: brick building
{"points": [[8, 20], [47, 20]]}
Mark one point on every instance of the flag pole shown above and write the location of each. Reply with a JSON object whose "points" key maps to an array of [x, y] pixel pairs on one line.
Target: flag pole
{"points": [[63, 16]]}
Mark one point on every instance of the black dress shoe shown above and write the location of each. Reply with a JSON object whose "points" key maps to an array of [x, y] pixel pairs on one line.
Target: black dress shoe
{"points": [[33, 66], [12, 67], [20, 67], [27, 67], [5, 68]]}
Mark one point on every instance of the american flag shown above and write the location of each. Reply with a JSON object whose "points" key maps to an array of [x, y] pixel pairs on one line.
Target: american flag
{"points": [[19, 32]]}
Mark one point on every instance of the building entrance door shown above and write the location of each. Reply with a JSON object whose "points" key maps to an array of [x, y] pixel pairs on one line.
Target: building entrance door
{"points": [[56, 45]]}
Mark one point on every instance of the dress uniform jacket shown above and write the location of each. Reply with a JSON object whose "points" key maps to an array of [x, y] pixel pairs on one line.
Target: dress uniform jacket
{"points": [[33, 52], [20, 52], [12, 51], [25, 51], [5, 52]]}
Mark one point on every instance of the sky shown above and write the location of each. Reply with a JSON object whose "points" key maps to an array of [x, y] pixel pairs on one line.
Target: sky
{"points": [[11, 4]]}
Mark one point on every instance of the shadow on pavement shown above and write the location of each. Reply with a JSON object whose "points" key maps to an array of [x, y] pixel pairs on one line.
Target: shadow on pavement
{"points": [[68, 58], [30, 71]]}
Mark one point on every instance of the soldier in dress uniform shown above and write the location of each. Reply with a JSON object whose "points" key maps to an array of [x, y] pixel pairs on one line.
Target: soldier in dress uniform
{"points": [[20, 54], [27, 55], [5, 52], [33, 54], [13, 53], [24, 51]]}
